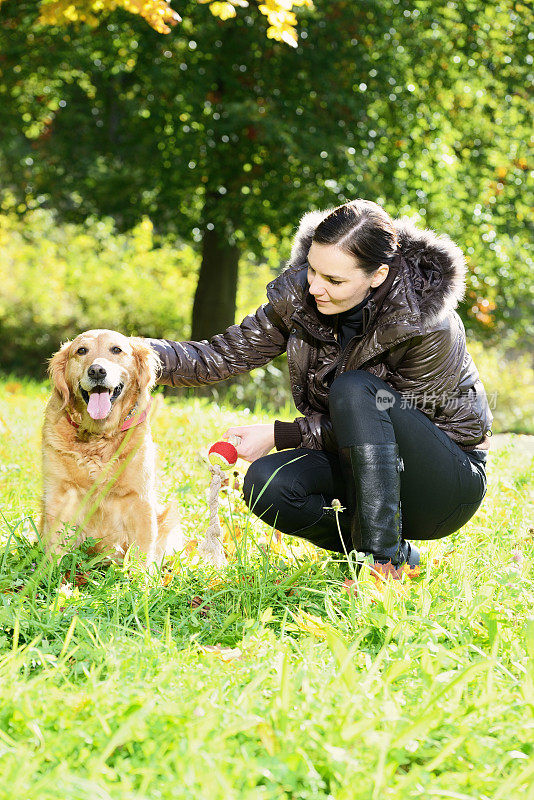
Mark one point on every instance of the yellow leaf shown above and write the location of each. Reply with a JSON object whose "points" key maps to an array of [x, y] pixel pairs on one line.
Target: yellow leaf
{"points": [[191, 546], [312, 624], [215, 581], [223, 653], [166, 578], [223, 10]]}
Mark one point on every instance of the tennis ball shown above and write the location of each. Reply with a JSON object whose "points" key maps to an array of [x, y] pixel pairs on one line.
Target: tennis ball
{"points": [[222, 454]]}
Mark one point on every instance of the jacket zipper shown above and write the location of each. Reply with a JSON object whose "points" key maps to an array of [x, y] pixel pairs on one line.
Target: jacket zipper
{"points": [[344, 356], [343, 361], [333, 340]]}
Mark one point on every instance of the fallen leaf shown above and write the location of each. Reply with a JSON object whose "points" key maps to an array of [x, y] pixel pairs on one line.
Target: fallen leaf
{"points": [[80, 579], [215, 581], [384, 572], [191, 546], [223, 653], [231, 538], [311, 624], [289, 590], [384, 586], [412, 572], [279, 545], [350, 586], [65, 586], [198, 602], [167, 577]]}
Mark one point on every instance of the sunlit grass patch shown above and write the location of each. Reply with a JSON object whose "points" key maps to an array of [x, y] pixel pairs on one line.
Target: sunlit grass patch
{"points": [[276, 677]]}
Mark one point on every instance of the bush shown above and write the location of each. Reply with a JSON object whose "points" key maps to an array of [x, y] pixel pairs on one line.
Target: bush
{"points": [[58, 280], [509, 385]]}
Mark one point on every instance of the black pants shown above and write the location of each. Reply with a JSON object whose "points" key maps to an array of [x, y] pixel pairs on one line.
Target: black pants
{"points": [[441, 485]]}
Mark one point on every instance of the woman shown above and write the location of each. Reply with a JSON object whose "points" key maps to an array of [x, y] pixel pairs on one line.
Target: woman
{"points": [[395, 418]]}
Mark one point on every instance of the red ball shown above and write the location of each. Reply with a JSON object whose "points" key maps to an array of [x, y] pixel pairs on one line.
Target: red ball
{"points": [[222, 454]]}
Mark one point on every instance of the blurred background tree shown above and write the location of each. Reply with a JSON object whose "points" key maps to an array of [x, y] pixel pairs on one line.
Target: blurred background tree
{"points": [[223, 137]]}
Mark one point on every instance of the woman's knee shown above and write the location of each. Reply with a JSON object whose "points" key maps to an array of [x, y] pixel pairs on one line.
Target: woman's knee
{"points": [[349, 390], [270, 482], [259, 480], [253, 479]]}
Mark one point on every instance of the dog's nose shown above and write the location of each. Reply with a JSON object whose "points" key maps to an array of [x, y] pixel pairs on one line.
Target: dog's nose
{"points": [[96, 372]]}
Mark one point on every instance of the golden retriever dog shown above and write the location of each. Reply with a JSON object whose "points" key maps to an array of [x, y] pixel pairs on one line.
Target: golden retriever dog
{"points": [[99, 476]]}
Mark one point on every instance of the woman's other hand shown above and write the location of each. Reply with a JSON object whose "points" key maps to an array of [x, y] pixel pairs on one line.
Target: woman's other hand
{"points": [[256, 440]]}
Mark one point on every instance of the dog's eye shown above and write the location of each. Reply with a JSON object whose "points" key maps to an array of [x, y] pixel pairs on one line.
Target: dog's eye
{"points": [[81, 351], [116, 350]]}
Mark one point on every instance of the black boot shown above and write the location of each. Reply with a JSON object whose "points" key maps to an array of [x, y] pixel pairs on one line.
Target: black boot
{"points": [[372, 477]]}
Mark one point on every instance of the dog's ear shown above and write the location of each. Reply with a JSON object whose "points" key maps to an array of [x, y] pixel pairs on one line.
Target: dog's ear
{"points": [[147, 363], [57, 366]]}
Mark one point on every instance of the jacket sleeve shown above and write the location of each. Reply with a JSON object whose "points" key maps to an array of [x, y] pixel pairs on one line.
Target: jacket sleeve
{"points": [[317, 432], [257, 340], [313, 432]]}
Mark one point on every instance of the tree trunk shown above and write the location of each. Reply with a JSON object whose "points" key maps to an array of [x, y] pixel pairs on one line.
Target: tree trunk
{"points": [[215, 296]]}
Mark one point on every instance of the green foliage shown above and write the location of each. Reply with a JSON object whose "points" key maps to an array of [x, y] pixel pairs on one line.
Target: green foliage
{"points": [[58, 280], [106, 689], [423, 107]]}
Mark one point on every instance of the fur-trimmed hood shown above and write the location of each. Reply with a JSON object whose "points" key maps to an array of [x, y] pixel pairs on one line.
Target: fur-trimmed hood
{"points": [[432, 264]]}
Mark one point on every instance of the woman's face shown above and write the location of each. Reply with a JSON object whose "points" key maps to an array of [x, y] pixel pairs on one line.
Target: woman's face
{"points": [[336, 282]]}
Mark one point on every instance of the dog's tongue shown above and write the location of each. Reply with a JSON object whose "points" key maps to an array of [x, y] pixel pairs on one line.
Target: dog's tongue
{"points": [[99, 404]]}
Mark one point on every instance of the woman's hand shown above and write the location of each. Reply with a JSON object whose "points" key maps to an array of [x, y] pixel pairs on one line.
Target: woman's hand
{"points": [[256, 440]]}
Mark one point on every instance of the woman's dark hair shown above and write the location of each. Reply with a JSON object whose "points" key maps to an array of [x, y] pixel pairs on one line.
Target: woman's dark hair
{"points": [[363, 229]]}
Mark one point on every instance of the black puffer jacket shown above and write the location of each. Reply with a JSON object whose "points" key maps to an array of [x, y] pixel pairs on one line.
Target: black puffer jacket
{"points": [[412, 338]]}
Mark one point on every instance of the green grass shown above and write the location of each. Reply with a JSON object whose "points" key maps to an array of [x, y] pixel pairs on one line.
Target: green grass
{"points": [[109, 689]]}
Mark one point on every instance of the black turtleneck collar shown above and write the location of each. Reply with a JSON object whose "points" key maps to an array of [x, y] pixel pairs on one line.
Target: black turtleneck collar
{"points": [[347, 315], [350, 323]]}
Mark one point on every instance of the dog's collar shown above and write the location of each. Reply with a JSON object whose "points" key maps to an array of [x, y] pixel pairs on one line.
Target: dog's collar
{"points": [[131, 420]]}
